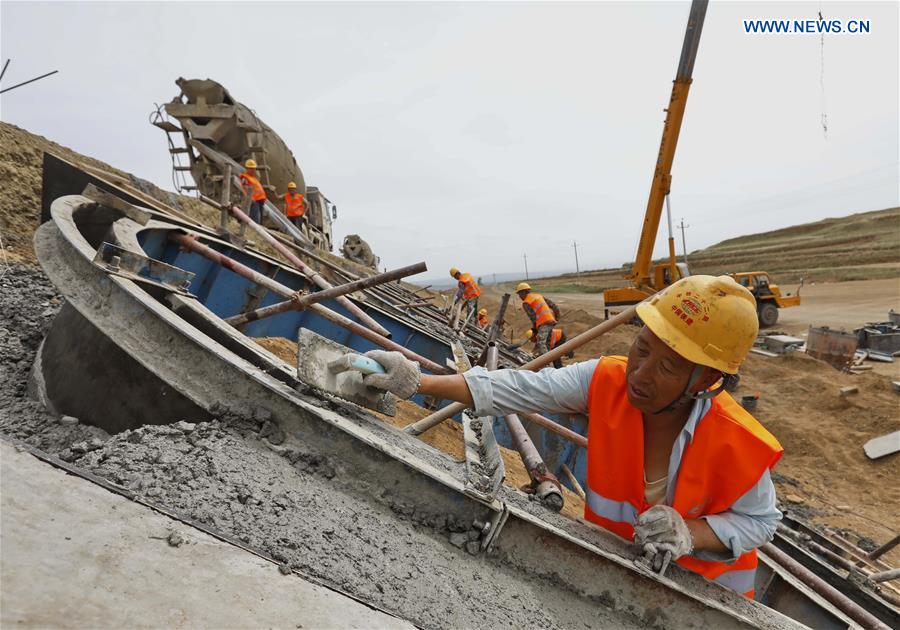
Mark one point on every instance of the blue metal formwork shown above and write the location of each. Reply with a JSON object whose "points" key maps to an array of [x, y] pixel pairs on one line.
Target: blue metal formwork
{"points": [[226, 294]]}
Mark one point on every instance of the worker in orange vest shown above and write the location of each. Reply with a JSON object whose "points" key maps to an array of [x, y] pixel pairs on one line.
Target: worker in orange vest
{"points": [[254, 190], [673, 462], [542, 312], [557, 338], [482, 318], [467, 290], [294, 206]]}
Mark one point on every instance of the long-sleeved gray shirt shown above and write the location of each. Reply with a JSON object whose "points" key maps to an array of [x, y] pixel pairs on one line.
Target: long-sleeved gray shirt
{"points": [[750, 522]]}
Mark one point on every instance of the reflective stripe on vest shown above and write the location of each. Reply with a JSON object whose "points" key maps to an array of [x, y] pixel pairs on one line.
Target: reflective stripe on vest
{"points": [[542, 313], [618, 511], [470, 288], [293, 205], [252, 183], [728, 439], [555, 337]]}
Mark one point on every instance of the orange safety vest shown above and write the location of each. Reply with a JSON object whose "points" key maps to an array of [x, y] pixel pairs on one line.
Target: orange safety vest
{"points": [[728, 454], [542, 313], [556, 336], [482, 321], [470, 289], [293, 205], [252, 183]]}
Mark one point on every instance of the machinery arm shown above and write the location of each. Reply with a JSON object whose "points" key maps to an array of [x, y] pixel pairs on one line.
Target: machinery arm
{"points": [[662, 175]]}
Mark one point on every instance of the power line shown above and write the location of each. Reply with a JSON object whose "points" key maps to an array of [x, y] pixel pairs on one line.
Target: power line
{"points": [[23, 82]]}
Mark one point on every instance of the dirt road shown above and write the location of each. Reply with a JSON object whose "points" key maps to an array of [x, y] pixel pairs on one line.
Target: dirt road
{"points": [[846, 305]]}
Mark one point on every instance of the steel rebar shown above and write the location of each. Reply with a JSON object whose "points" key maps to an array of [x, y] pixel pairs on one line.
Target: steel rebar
{"points": [[449, 411], [192, 244], [883, 549], [575, 485], [325, 294], [850, 608], [557, 428], [884, 576], [305, 269]]}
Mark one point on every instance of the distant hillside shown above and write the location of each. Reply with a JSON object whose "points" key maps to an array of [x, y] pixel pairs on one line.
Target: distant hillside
{"points": [[857, 247], [860, 246]]}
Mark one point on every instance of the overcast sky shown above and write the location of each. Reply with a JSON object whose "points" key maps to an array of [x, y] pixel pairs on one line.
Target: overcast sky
{"points": [[468, 134]]}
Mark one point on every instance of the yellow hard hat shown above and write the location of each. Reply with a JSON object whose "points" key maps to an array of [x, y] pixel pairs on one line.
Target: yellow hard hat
{"points": [[708, 320], [529, 334], [482, 311], [453, 272], [523, 286], [291, 185], [251, 163]]}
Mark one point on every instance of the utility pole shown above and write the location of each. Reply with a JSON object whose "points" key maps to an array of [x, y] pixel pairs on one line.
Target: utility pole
{"points": [[577, 269], [525, 258], [683, 246]]}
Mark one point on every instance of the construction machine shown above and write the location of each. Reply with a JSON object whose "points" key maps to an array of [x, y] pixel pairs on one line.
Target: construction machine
{"points": [[645, 277], [768, 295], [210, 135]]}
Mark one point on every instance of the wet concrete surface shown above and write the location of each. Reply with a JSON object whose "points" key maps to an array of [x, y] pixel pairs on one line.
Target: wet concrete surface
{"points": [[294, 505], [73, 552]]}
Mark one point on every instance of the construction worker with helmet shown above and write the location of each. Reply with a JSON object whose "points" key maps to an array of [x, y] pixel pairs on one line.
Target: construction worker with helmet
{"points": [[467, 290], [557, 338], [542, 312], [673, 462], [482, 318], [253, 191], [294, 206]]}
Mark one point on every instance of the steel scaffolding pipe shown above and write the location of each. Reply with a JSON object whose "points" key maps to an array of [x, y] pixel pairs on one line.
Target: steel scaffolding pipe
{"points": [[545, 359], [308, 271], [546, 487], [325, 294], [840, 601], [192, 244]]}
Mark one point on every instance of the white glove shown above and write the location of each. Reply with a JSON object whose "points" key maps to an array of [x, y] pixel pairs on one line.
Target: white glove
{"points": [[401, 376], [661, 531]]}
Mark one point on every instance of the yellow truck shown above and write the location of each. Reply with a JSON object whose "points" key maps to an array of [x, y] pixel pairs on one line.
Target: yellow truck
{"points": [[768, 295]]}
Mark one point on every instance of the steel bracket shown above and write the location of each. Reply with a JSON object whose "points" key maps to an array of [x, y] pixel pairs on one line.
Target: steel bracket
{"points": [[127, 264]]}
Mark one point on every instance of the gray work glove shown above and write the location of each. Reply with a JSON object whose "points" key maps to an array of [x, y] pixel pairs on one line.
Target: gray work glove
{"points": [[663, 535], [401, 376]]}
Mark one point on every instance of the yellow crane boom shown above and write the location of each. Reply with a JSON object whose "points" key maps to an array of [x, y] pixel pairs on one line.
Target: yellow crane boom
{"points": [[646, 279]]}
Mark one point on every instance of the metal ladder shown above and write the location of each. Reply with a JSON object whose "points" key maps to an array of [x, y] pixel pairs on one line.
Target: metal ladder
{"points": [[159, 118]]}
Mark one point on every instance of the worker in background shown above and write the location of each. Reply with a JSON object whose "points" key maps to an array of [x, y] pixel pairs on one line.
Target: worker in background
{"points": [[482, 318], [673, 462], [557, 338], [295, 206], [542, 312], [467, 290], [254, 190]]}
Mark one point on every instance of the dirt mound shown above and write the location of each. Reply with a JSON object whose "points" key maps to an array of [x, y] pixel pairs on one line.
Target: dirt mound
{"points": [[21, 159], [823, 434], [284, 349]]}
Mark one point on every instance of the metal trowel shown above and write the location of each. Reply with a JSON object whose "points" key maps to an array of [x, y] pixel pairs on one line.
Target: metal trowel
{"points": [[336, 369]]}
